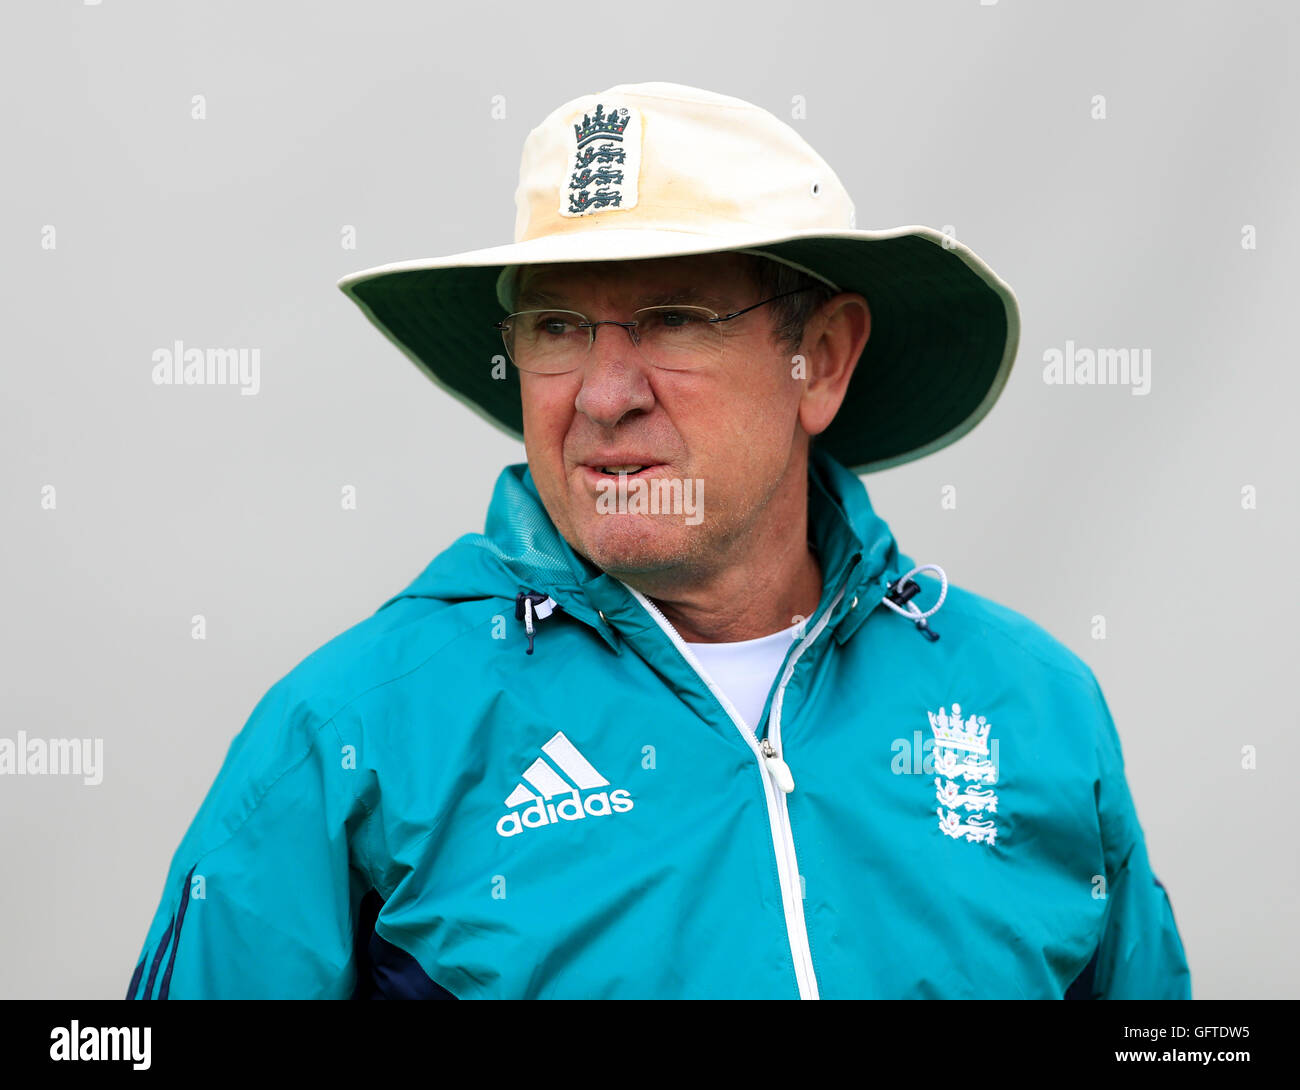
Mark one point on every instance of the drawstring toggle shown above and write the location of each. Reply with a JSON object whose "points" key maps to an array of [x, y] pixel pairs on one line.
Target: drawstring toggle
{"points": [[903, 590], [529, 604]]}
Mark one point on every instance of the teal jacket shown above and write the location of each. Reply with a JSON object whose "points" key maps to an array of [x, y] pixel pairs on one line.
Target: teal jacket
{"points": [[424, 808]]}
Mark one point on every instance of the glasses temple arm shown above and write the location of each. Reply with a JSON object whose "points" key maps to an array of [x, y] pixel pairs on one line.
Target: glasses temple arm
{"points": [[763, 303]]}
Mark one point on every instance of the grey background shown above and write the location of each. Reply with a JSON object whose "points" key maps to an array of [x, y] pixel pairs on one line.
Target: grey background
{"points": [[1072, 501]]}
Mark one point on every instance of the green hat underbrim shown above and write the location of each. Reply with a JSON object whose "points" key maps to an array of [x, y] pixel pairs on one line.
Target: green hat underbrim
{"points": [[944, 331]]}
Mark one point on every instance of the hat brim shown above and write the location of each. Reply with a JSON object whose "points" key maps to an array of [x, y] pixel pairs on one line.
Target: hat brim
{"points": [[944, 327]]}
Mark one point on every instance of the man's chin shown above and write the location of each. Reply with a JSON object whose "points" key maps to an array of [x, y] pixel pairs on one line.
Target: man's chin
{"points": [[637, 544]]}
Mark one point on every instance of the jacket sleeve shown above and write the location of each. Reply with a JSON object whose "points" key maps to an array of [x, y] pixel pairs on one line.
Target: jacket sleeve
{"points": [[1140, 955], [261, 895]]}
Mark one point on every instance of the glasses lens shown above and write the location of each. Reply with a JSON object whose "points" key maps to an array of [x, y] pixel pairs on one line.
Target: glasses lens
{"points": [[554, 342], [678, 338], [546, 342]]}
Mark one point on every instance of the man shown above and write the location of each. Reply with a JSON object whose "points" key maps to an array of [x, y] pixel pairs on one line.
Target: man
{"points": [[677, 724]]}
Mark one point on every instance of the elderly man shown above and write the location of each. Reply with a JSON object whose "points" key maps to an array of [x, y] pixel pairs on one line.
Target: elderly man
{"points": [[684, 721]]}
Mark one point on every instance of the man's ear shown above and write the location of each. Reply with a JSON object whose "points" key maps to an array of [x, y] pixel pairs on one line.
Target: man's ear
{"points": [[833, 341]]}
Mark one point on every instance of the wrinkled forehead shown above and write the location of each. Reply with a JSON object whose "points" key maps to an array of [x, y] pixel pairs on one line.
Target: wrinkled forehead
{"points": [[713, 280]]}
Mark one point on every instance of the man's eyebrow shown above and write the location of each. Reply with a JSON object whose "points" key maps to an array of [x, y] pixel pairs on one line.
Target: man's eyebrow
{"points": [[684, 296], [531, 297], [534, 297]]}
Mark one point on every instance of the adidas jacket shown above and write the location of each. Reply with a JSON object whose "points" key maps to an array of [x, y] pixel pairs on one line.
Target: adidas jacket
{"points": [[423, 808]]}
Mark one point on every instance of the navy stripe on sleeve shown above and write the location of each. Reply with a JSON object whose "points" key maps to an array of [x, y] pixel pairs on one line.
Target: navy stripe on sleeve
{"points": [[135, 977], [180, 919], [157, 961]]}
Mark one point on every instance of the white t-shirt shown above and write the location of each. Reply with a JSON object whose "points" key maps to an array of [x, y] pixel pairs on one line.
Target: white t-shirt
{"points": [[745, 670]]}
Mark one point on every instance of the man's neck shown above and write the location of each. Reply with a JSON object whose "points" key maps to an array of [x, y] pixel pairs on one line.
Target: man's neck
{"points": [[744, 605], [775, 583]]}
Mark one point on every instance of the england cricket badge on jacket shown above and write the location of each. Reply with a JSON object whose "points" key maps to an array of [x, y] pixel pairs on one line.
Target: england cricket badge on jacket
{"points": [[965, 775], [605, 162]]}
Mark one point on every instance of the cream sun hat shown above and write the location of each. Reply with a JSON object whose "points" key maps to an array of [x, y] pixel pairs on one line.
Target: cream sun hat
{"points": [[653, 170]]}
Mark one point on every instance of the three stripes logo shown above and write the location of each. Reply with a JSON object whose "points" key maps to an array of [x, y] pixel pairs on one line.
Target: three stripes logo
{"points": [[531, 809]]}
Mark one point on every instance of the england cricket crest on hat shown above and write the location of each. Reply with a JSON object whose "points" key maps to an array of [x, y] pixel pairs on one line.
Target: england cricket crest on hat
{"points": [[605, 163]]}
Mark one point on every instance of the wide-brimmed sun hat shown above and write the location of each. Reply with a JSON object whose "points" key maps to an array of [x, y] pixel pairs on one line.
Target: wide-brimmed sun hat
{"points": [[654, 170]]}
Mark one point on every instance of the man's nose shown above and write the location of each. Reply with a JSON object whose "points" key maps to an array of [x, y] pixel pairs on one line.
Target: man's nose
{"points": [[615, 381]]}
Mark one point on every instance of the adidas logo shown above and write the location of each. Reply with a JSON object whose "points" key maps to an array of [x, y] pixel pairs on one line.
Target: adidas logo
{"points": [[548, 783]]}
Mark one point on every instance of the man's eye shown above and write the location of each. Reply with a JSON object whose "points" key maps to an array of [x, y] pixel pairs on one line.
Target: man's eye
{"points": [[554, 325], [674, 319]]}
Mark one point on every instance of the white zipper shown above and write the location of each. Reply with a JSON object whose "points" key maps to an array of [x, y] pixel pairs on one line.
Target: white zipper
{"points": [[777, 781], [774, 735]]}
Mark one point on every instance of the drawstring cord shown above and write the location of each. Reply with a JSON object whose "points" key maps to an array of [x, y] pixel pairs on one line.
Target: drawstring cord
{"points": [[903, 590]]}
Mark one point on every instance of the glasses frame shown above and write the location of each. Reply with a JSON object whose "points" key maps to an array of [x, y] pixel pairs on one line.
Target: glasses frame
{"points": [[630, 326]]}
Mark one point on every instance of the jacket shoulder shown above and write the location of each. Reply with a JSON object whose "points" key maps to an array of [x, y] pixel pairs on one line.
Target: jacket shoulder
{"points": [[302, 714], [399, 640], [975, 619]]}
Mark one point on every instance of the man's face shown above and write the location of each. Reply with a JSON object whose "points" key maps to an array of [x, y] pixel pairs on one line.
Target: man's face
{"points": [[732, 423]]}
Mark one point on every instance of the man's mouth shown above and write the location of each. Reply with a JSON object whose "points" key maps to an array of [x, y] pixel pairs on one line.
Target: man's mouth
{"points": [[594, 472], [629, 469]]}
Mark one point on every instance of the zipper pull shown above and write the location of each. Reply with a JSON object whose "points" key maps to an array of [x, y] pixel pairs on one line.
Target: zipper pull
{"points": [[779, 769]]}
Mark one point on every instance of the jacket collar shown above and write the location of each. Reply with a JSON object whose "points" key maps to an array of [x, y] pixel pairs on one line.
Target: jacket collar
{"points": [[855, 548], [521, 550]]}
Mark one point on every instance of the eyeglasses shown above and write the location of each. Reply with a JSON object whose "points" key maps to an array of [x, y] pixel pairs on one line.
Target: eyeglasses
{"points": [[675, 338]]}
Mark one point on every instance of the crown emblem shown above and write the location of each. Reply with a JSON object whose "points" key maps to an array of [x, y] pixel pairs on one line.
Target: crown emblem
{"points": [[600, 124], [951, 731]]}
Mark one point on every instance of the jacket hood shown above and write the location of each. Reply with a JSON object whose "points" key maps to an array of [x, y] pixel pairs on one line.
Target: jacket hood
{"points": [[521, 551]]}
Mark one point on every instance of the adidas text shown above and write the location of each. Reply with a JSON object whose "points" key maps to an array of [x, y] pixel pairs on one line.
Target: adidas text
{"points": [[574, 808]]}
